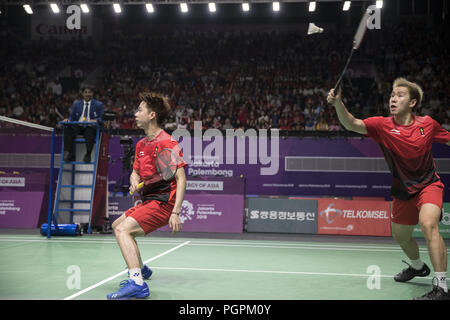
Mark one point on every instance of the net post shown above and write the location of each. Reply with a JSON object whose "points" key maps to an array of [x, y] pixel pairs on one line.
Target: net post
{"points": [[50, 190]]}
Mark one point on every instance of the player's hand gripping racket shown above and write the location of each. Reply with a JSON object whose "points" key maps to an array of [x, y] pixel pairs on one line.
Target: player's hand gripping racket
{"points": [[139, 187], [356, 42], [166, 168]]}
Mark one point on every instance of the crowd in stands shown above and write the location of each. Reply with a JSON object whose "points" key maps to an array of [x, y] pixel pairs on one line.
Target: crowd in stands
{"points": [[226, 80]]}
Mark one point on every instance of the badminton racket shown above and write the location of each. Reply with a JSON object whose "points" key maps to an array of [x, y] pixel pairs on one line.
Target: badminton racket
{"points": [[166, 168], [357, 39]]}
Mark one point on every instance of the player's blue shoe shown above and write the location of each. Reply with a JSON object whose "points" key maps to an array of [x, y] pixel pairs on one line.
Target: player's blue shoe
{"points": [[129, 289], [145, 271]]}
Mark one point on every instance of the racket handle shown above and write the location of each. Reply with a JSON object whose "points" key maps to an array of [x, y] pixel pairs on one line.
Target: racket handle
{"points": [[336, 87], [337, 90], [139, 187]]}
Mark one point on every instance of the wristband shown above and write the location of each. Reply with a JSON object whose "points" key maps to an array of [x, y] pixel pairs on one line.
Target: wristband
{"points": [[177, 213]]}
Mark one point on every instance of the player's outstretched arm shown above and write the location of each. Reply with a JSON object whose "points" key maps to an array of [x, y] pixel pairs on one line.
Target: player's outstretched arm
{"points": [[174, 221], [346, 118]]}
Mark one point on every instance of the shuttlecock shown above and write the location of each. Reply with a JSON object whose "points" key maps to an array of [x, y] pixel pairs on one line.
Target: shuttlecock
{"points": [[314, 29]]}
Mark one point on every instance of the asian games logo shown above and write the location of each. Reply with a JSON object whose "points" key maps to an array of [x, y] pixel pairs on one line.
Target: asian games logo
{"points": [[187, 211], [330, 213]]}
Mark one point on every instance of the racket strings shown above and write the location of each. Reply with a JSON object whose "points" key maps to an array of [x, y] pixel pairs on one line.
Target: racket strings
{"points": [[167, 164]]}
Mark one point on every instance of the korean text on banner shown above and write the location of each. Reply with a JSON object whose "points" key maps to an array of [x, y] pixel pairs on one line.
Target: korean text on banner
{"points": [[282, 215]]}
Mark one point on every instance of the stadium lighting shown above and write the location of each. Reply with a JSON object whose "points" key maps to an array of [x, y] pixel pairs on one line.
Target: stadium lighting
{"points": [[117, 8], [184, 7], [312, 6], [54, 7], [346, 6], [27, 9], [84, 7], [149, 8], [212, 7], [379, 4], [245, 6], [276, 6]]}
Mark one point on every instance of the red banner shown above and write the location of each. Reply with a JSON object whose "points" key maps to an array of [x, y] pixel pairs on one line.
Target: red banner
{"points": [[350, 217]]}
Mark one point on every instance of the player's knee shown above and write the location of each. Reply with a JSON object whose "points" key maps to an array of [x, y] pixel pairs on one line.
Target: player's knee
{"points": [[121, 228], [429, 228], [114, 225], [117, 222], [125, 229]]}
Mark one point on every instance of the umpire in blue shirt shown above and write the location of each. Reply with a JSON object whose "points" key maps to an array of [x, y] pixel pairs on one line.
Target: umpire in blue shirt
{"points": [[84, 110]]}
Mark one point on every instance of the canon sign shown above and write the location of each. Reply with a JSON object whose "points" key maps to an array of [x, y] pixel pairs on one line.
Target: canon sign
{"points": [[61, 27], [52, 30]]}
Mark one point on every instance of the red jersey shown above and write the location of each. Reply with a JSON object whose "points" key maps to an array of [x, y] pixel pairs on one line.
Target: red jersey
{"points": [[407, 150], [145, 165]]}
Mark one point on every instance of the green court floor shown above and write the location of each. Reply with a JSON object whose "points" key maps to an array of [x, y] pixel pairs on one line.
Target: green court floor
{"points": [[90, 266]]}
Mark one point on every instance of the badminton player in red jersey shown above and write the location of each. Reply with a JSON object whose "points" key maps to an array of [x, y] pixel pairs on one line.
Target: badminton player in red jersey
{"points": [[162, 200], [417, 190]]}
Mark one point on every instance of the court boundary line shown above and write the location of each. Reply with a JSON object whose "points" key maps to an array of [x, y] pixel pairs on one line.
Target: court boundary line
{"points": [[206, 241], [247, 244], [312, 247], [365, 275], [123, 272]]}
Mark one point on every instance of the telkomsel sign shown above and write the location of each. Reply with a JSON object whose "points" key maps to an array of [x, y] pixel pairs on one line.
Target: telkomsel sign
{"points": [[353, 217]]}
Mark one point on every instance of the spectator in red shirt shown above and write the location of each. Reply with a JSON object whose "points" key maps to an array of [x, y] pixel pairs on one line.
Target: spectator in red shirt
{"points": [[242, 116]]}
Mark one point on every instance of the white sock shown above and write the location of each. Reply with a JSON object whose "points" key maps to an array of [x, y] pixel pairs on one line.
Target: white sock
{"points": [[442, 278], [136, 275], [417, 264]]}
